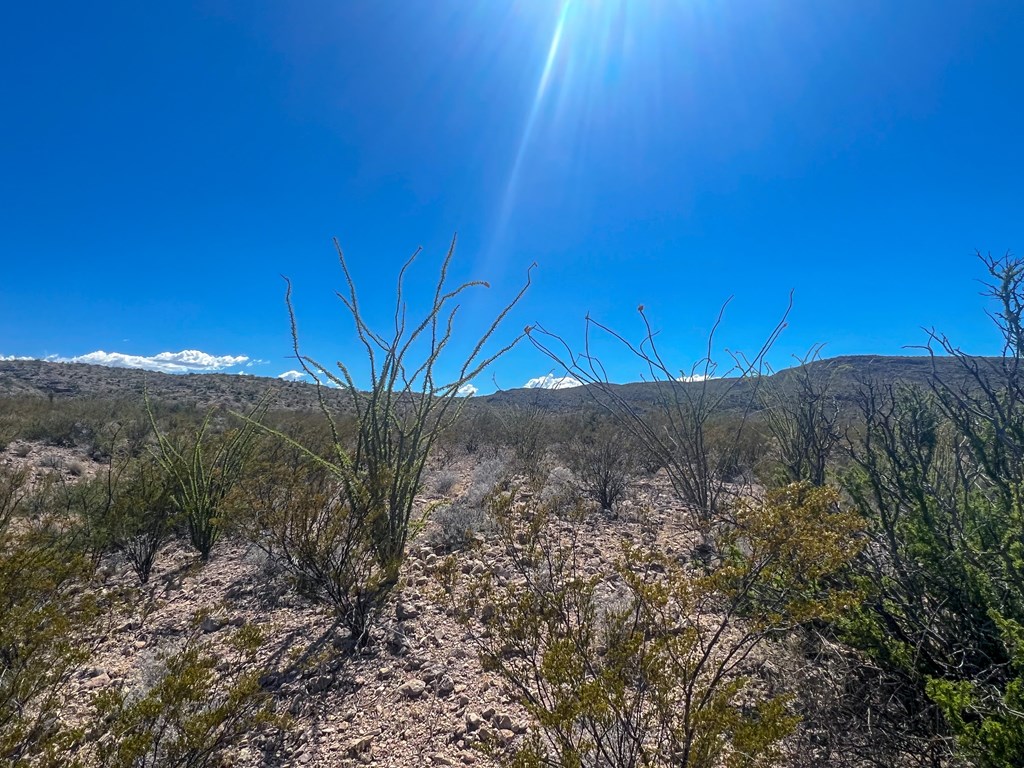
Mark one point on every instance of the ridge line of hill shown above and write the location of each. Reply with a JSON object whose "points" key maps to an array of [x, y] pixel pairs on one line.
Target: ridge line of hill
{"points": [[82, 380]]}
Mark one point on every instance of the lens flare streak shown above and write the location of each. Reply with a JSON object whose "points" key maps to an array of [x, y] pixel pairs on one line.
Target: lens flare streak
{"points": [[508, 199]]}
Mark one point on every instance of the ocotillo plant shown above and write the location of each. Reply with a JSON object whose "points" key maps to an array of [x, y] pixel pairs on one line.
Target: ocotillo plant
{"points": [[203, 470], [677, 430], [346, 545]]}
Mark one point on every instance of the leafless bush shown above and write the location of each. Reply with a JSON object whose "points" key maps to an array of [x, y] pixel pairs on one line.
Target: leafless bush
{"points": [[524, 434], [50, 461], [801, 412], [687, 408], [603, 461], [444, 482], [457, 524]]}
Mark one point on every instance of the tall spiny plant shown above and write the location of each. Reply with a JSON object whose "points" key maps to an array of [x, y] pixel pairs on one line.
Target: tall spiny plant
{"points": [[678, 431], [346, 546]]}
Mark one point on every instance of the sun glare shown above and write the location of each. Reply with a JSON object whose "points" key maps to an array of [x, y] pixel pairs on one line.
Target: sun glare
{"points": [[580, 82], [511, 186]]}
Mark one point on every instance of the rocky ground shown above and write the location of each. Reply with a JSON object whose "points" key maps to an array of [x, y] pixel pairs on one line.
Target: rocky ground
{"points": [[417, 695], [48, 461]]}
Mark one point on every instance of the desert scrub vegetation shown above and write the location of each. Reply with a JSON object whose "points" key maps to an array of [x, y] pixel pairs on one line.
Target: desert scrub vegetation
{"points": [[203, 468], [650, 662], [143, 514], [937, 473], [524, 432], [42, 612], [698, 449], [477, 431], [802, 415], [603, 461], [878, 621], [346, 543], [457, 524], [66, 423], [197, 703], [8, 431]]}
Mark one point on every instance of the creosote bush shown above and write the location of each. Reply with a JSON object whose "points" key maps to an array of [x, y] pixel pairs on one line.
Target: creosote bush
{"points": [[42, 613], [657, 668], [346, 541], [199, 704]]}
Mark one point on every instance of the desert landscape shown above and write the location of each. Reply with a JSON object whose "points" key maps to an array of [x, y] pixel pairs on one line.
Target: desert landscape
{"points": [[512, 384], [809, 567]]}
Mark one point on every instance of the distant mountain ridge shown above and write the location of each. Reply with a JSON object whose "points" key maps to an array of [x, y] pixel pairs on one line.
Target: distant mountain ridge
{"points": [[849, 371], [63, 380]]}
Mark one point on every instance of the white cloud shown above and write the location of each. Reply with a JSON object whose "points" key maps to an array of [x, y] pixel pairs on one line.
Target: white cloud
{"points": [[694, 377], [5, 358], [550, 381], [466, 390], [185, 361], [292, 375]]}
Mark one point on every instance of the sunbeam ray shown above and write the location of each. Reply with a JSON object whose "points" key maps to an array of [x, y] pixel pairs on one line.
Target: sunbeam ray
{"points": [[543, 84]]}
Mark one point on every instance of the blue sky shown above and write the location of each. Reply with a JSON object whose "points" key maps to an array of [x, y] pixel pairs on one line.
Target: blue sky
{"points": [[162, 164]]}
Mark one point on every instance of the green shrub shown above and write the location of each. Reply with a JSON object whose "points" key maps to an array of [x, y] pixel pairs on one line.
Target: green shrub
{"points": [[143, 514], [200, 704], [8, 430], [43, 611], [654, 675], [986, 715], [938, 473]]}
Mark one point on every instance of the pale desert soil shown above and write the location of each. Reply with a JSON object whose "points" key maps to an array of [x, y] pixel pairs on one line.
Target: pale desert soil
{"points": [[417, 695]]}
